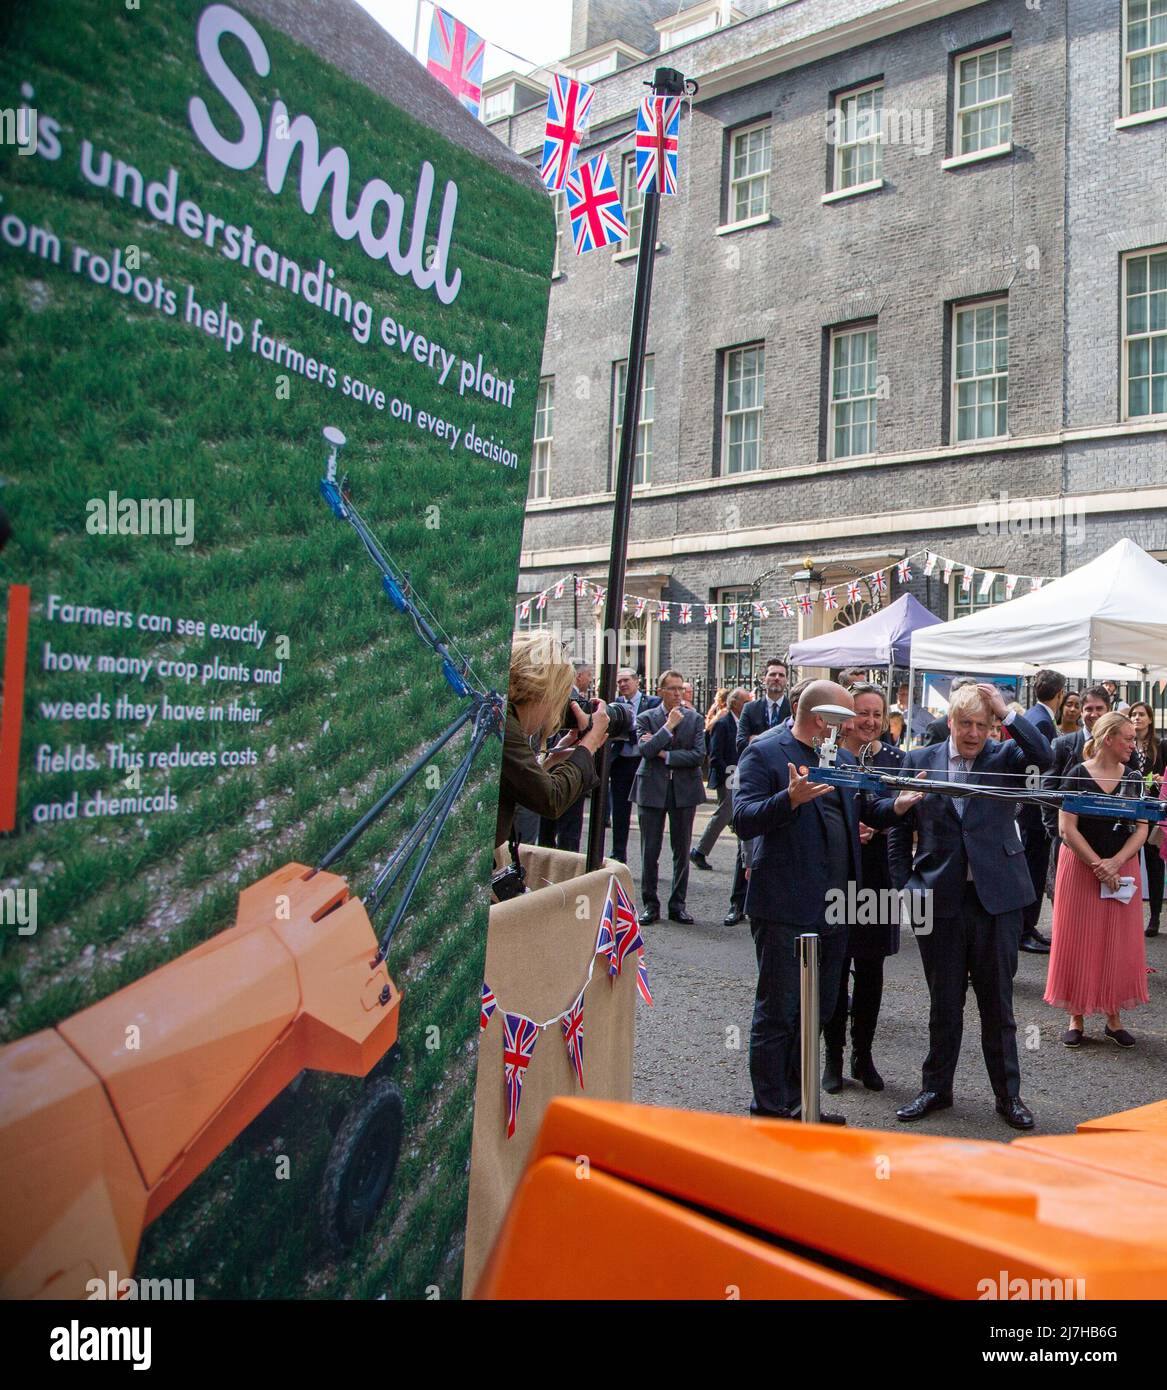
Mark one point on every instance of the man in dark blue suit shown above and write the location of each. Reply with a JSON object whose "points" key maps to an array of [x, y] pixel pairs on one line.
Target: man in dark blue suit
{"points": [[722, 740], [969, 869], [767, 712], [807, 852], [1050, 689], [624, 761]]}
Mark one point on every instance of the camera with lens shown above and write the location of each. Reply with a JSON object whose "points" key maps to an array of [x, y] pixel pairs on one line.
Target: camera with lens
{"points": [[621, 720]]}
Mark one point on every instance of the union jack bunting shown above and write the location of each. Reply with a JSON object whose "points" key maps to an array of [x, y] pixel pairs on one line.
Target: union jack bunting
{"points": [[879, 582], [640, 606], [1010, 584], [686, 613], [658, 126], [598, 596], [628, 938], [761, 610], [662, 612], [642, 978], [606, 936], [541, 601], [830, 599], [1035, 584], [966, 580], [519, 1037], [525, 608], [946, 573], [903, 571], [785, 609], [987, 583], [731, 618], [929, 562], [569, 108], [456, 57], [806, 603], [559, 589], [593, 205], [489, 1004], [572, 1024], [710, 614], [581, 587], [853, 591]]}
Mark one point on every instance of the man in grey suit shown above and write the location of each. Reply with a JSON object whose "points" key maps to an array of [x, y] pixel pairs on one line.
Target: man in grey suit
{"points": [[668, 783]]}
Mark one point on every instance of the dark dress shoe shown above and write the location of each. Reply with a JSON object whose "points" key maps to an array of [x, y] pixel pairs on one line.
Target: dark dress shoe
{"points": [[699, 859], [1035, 944], [1152, 927], [863, 1069], [1015, 1112], [833, 1071], [648, 917], [824, 1119], [924, 1104], [1072, 1037], [733, 917], [682, 916], [1120, 1036]]}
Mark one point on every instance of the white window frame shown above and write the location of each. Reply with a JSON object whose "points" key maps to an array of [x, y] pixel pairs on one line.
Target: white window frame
{"points": [[727, 415], [960, 607], [960, 111], [598, 67], [642, 461], [1127, 338], [539, 488], [733, 213], [632, 201], [973, 306], [503, 103], [871, 138], [1128, 58], [838, 336], [559, 203]]}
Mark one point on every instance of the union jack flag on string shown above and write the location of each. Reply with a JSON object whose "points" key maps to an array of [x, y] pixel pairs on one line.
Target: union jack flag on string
{"points": [[879, 582], [569, 108], [525, 608], [581, 588], [518, 1046], [572, 1025], [658, 125], [830, 599], [662, 612], [598, 597], [904, 571], [806, 603], [489, 1004], [640, 606], [966, 579], [593, 205], [1010, 584], [710, 614], [541, 601], [606, 936], [731, 616], [628, 938], [559, 589], [929, 562], [686, 612], [853, 591], [642, 978], [946, 572], [456, 58], [785, 609]]}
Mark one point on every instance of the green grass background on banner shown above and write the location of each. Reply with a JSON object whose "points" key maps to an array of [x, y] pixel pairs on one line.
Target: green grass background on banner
{"points": [[104, 394]]}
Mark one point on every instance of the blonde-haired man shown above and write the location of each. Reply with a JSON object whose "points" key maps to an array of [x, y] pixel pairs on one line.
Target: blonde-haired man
{"points": [[969, 860]]}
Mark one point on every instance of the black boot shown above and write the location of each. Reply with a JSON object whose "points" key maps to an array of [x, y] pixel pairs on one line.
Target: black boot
{"points": [[833, 1070], [863, 1069], [1152, 927]]}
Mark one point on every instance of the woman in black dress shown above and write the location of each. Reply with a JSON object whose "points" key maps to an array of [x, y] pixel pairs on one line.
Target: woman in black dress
{"points": [[1150, 761], [869, 944]]}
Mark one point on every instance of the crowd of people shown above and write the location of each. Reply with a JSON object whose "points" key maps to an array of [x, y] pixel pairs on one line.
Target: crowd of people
{"points": [[967, 872]]}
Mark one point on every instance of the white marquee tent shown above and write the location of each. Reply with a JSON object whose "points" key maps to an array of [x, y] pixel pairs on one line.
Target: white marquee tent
{"points": [[1104, 621]]}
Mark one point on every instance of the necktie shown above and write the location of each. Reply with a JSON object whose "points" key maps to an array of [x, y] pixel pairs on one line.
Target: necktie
{"points": [[961, 775], [773, 713]]}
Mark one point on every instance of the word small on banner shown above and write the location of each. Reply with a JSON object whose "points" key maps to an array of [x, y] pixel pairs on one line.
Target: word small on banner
{"points": [[569, 108], [593, 205], [658, 128]]}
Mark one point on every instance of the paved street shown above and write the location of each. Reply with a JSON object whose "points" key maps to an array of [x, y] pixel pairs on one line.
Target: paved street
{"points": [[692, 1048]]}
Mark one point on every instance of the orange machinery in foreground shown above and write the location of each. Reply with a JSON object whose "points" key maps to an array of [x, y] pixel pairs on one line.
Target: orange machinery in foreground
{"points": [[634, 1202], [108, 1117]]}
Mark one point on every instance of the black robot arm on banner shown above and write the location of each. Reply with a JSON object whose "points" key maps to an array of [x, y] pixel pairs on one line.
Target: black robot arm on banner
{"points": [[484, 711]]}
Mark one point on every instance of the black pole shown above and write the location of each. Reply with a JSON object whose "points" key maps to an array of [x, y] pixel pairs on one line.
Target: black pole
{"points": [[665, 82]]}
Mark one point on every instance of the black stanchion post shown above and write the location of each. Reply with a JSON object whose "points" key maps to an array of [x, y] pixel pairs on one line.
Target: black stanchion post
{"points": [[665, 82]]}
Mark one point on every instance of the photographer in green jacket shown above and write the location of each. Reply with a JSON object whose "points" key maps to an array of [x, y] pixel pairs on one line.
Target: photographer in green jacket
{"points": [[540, 683]]}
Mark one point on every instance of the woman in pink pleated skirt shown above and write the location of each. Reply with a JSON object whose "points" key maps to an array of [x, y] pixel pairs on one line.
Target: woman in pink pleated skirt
{"points": [[1097, 962]]}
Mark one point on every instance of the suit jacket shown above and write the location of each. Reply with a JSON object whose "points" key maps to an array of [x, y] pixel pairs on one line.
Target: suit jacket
{"points": [[936, 732], [753, 721], [788, 876], [686, 750], [986, 837], [646, 702], [1042, 721], [722, 749]]}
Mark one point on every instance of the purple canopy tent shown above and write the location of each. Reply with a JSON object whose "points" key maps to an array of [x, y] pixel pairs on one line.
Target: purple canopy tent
{"points": [[884, 639]]}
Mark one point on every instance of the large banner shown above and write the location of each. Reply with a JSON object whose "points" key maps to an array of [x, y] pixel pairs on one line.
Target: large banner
{"points": [[271, 318]]}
